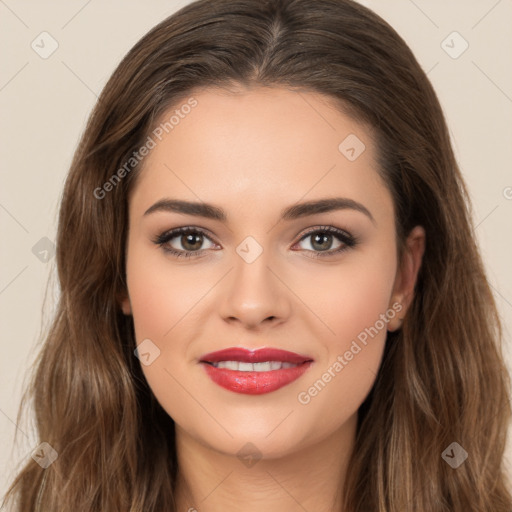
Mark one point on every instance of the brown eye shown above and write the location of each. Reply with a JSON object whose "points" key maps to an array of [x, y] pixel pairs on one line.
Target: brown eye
{"points": [[191, 242], [322, 240], [183, 241]]}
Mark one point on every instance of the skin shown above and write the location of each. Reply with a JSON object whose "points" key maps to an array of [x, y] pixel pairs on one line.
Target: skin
{"points": [[254, 152]]}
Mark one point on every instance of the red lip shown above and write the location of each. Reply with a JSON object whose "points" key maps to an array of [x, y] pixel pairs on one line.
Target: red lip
{"points": [[254, 356], [254, 382]]}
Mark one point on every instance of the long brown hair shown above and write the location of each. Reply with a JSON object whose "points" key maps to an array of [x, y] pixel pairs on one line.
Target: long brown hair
{"points": [[442, 379]]}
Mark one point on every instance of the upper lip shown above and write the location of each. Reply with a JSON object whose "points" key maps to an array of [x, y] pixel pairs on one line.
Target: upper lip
{"points": [[254, 356]]}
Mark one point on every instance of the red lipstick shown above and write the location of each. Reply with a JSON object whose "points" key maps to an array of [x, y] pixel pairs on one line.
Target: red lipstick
{"points": [[254, 372]]}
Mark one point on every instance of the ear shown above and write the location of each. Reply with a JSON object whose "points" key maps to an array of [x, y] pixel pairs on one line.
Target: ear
{"points": [[124, 302], [407, 274]]}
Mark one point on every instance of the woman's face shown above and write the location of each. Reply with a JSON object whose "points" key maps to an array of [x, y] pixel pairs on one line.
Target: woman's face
{"points": [[258, 279]]}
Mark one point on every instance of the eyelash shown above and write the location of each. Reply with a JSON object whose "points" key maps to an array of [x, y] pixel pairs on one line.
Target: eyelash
{"points": [[349, 241]]}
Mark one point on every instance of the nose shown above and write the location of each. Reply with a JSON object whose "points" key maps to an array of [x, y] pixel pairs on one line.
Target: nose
{"points": [[254, 294]]}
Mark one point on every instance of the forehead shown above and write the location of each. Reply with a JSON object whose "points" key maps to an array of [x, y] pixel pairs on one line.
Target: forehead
{"points": [[263, 145]]}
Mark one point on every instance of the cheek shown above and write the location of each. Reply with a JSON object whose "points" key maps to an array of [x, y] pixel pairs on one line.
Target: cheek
{"points": [[356, 308], [166, 305], [363, 297], [151, 307], [349, 297], [159, 305], [159, 298]]}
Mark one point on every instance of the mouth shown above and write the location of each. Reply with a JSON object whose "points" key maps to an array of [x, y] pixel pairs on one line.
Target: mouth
{"points": [[240, 366], [254, 372]]}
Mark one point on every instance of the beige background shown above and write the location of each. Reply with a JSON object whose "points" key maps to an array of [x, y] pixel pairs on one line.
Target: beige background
{"points": [[45, 103]]}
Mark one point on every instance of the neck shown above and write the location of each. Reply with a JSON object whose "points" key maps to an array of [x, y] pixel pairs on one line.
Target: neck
{"points": [[310, 478]]}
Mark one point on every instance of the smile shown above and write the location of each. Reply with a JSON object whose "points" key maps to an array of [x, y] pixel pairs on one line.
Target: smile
{"points": [[254, 372], [253, 367]]}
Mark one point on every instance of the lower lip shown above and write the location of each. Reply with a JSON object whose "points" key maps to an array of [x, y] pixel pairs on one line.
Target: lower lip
{"points": [[254, 383]]}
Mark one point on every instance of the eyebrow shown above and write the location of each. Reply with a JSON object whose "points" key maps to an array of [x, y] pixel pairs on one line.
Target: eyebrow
{"points": [[295, 211]]}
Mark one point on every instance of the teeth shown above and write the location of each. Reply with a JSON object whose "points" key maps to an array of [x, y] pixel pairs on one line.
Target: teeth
{"points": [[253, 367], [230, 365], [245, 367]]}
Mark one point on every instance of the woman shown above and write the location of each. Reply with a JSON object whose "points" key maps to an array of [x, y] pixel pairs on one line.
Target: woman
{"points": [[336, 349]]}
